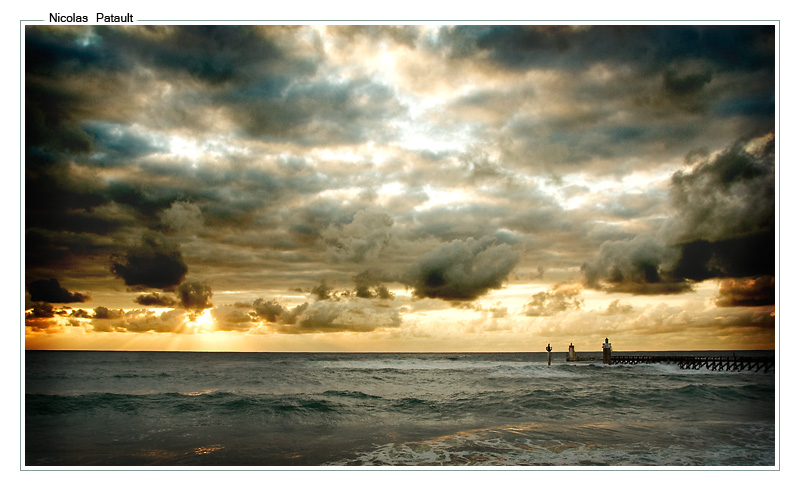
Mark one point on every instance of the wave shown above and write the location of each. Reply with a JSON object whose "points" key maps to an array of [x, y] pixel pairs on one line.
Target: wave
{"points": [[561, 445], [212, 401], [350, 394], [139, 375]]}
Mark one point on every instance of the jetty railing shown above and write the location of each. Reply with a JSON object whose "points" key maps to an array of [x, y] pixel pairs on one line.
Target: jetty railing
{"points": [[715, 363]]}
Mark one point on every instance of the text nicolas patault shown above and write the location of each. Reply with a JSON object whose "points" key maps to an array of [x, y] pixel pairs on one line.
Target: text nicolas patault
{"points": [[100, 17]]}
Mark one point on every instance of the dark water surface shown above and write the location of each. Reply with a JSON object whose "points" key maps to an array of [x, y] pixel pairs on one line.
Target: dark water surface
{"points": [[288, 409]]}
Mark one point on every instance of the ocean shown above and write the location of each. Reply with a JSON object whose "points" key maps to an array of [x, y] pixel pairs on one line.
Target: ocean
{"points": [[84, 408]]}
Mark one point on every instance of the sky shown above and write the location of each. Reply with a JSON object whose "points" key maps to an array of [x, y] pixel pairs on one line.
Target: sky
{"points": [[399, 187]]}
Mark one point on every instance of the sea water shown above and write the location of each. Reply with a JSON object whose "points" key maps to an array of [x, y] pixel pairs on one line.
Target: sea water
{"points": [[314, 409]]}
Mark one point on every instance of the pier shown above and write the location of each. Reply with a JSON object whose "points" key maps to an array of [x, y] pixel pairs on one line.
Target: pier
{"points": [[688, 362], [715, 363]]}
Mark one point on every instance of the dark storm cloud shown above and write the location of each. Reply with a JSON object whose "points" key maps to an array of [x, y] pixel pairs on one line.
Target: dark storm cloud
{"points": [[268, 90], [59, 197], [268, 310], [156, 300], [574, 47], [322, 291], [263, 77], [272, 311], [731, 195], [50, 120], [368, 285], [187, 199], [51, 291], [579, 135], [106, 313], [315, 113], [726, 219], [50, 123], [676, 82], [73, 81], [214, 55], [53, 49], [688, 89], [116, 143], [142, 196], [641, 266], [462, 270], [747, 293], [686, 84], [80, 314], [560, 298], [644, 265], [49, 253], [751, 255], [155, 262], [195, 295], [723, 227], [260, 76], [379, 291], [41, 310]]}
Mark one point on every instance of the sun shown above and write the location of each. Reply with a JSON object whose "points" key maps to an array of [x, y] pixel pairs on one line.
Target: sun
{"points": [[202, 323]]}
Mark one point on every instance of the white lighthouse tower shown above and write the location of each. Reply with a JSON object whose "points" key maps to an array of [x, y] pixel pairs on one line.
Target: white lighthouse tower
{"points": [[606, 353], [572, 355]]}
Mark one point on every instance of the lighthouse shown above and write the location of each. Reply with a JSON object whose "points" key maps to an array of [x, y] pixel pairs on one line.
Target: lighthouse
{"points": [[572, 355], [606, 353]]}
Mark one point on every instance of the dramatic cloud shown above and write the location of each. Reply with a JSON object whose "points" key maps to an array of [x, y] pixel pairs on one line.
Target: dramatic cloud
{"points": [[51, 291], [154, 262], [646, 47], [156, 300], [40, 310], [268, 310], [195, 295], [106, 313], [723, 227], [368, 285], [322, 291], [750, 255], [729, 196], [727, 212], [462, 270], [640, 266], [747, 293], [380, 291]]}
